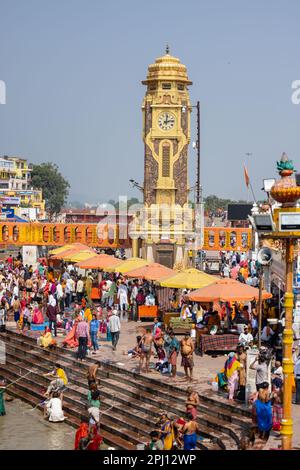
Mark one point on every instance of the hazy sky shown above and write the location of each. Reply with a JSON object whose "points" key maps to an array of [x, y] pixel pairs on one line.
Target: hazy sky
{"points": [[73, 71]]}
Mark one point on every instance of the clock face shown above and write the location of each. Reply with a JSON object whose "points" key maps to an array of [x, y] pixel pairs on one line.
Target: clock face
{"points": [[166, 121]]}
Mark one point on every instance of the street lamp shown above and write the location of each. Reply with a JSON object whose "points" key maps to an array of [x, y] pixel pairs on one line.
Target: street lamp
{"points": [[197, 146], [135, 184], [287, 192]]}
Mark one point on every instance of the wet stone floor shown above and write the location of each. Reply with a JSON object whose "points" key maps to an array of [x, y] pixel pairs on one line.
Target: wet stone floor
{"points": [[24, 428]]}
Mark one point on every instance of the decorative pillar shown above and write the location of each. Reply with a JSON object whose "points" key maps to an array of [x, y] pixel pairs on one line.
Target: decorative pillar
{"points": [[287, 362]]}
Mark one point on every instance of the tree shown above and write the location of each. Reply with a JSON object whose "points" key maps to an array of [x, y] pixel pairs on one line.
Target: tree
{"points": [[213, 203], [55, 187]]}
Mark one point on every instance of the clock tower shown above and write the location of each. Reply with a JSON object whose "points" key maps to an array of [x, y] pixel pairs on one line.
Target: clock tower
{"points": [[166, 135]]}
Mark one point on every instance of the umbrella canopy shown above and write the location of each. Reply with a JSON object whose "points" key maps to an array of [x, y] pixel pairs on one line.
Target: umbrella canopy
{"points": [[66, 255], [98, 262], [151, 272], [69, 246], [227, 290], [188, 279], [127, 265], [78, 256]]}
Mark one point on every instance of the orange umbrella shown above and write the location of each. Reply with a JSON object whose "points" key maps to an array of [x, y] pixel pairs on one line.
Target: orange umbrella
{"points": [[99, 262], [151, 272], [227, 290], [73, 251]]}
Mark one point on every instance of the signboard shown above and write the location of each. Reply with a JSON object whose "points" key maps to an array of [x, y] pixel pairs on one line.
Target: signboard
{"points": [[30, 255], [239, 211], [10, 213], [289, 221], [251, 374], [10, 201]]}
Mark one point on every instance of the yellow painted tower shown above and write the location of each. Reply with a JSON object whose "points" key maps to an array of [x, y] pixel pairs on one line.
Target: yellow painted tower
{"points": [[166, 135]]}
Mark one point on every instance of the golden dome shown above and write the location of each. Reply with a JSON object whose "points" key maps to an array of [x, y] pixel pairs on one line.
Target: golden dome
{"points": [[167, 67]]}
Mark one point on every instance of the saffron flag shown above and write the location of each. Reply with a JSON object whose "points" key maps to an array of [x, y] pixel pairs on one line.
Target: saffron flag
{"points": [[247, 179]]}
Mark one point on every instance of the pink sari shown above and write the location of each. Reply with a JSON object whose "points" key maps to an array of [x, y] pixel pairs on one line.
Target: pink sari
{"points": [[37, 318]]}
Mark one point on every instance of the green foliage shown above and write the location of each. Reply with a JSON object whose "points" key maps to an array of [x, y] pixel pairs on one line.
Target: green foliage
{"points": [[213, 203], [47, 177]]}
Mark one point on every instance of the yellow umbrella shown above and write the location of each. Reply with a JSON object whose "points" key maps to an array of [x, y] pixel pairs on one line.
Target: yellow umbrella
{"points": [[127, 265], [188, 279], [69, 246], [59, 250], [80, 256]]}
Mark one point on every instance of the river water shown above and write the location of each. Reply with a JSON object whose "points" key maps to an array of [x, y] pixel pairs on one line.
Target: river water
{"points": [[23, 428]]}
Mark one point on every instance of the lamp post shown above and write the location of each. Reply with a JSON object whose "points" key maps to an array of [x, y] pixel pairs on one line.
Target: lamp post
{"points": [[197, 145], [287, 192], [287, 362], [198, 186]]}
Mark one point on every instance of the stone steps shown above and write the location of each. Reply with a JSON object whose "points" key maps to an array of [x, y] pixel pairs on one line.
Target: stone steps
{"points": [[138, 399], [213, 425], [114, 371], [75, 398]]}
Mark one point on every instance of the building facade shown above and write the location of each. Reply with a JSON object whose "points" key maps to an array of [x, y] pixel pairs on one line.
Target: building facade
{"points": [[16, 190]]}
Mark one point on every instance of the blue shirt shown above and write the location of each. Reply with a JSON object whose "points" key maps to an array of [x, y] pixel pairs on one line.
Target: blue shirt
{"points": [[94, 326]]}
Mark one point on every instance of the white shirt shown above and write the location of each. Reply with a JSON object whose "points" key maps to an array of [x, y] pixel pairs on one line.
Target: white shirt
{"points": [[193, 333], [79, 286], [264, 335], [279, 372], [226, 271], [114, 323], [55, 411], [122, 293], [297, 368], [134, 293], [59, 291], [245, 339], [16, 291], [150, 300]]}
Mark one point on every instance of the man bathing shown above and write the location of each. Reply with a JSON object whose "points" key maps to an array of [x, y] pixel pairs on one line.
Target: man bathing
{"points": [[146, 349], [192, 402]]}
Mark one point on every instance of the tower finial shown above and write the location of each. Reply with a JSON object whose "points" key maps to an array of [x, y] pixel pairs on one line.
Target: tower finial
{"points": [[167, 49]]}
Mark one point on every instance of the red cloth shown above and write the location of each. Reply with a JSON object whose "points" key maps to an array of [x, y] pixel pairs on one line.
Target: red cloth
{"points": [[81, 432], [217, 343], [97, 439], [70, 340]]}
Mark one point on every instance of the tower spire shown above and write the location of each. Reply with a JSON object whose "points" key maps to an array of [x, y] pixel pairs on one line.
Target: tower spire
{"points": [[167, 49]]}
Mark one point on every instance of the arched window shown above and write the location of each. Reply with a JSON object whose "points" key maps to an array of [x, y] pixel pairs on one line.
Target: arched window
{"points": [[55, 234], [66, 234], [233, 239], [16, 233], [45, 234], [244, 240], [211, 238], [222, 239], [166, 160], [88, 235], [5, 233]]}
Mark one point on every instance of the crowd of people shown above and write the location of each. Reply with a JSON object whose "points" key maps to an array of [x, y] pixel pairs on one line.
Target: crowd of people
{"points": [[62, 301]]}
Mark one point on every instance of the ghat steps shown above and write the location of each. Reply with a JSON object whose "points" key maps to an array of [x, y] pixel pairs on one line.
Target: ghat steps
{"points": [[130, 402]]}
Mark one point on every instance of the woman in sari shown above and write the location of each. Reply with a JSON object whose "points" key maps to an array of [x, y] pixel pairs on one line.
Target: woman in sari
{"points": [[81, 433], [37, 318], [167, 432], [262, 411], [46, 339], [70, 340], [88, 314], [232, 366]]}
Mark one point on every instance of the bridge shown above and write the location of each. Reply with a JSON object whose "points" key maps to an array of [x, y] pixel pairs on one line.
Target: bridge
{"points": [[107, 236]]}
